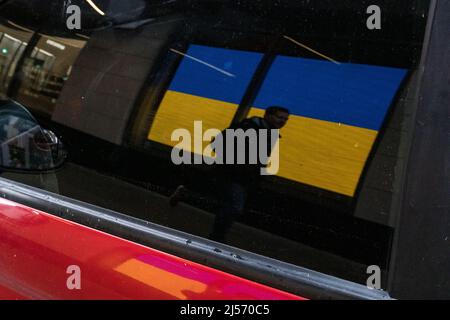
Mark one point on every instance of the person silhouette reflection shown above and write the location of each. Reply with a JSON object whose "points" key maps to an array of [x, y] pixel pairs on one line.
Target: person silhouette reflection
{"points": [[235, 180]]}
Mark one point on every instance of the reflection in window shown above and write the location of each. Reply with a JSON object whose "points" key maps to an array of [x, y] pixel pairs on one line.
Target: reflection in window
{"points": [[208, 86], [41, 75], [46, 71], [23, 143], [12, 45], [119, 157], [337, 111]]}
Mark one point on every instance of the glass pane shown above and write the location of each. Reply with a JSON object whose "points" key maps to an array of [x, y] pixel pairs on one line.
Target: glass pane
{"points": [[117, 90]]}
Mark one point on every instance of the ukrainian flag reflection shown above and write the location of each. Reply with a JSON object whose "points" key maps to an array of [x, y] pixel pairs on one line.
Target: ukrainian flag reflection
{"points": [[337, 110]]}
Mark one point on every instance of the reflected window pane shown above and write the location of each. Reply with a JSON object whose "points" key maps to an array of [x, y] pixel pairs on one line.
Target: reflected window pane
{"points": [[46, 71], [208, 86], [337, 111], [12, 45]]}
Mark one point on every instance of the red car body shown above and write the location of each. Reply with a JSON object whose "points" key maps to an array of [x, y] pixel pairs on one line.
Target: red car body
{"points": [[37, 248]]}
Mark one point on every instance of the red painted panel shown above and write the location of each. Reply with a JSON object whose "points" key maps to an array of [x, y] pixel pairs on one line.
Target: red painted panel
{"points": [[7, 294], [36, 249]]}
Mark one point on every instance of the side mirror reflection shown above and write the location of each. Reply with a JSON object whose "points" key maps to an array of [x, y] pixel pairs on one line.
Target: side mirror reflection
{"points": [[24, 144]]}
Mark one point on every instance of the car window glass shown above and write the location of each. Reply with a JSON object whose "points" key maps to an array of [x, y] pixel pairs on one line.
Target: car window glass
{"points": [[128, 93]]}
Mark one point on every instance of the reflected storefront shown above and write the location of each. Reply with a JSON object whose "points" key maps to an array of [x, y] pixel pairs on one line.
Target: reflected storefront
{"points": [[13, 43], [35, 77]]}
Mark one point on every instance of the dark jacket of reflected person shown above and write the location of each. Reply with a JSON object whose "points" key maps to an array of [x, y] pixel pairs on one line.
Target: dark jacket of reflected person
{"points": [[235, 180]]}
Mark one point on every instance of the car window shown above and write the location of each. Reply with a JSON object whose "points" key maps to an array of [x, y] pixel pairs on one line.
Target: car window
{"points": [[138, 98]]}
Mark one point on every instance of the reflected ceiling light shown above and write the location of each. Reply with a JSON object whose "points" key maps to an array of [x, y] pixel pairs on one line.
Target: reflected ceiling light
{"points": [[46, 53], [310, 49], [204, 63], [56, 44], [82, 36], [94, 6], [12, 38], [19, 27]]}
